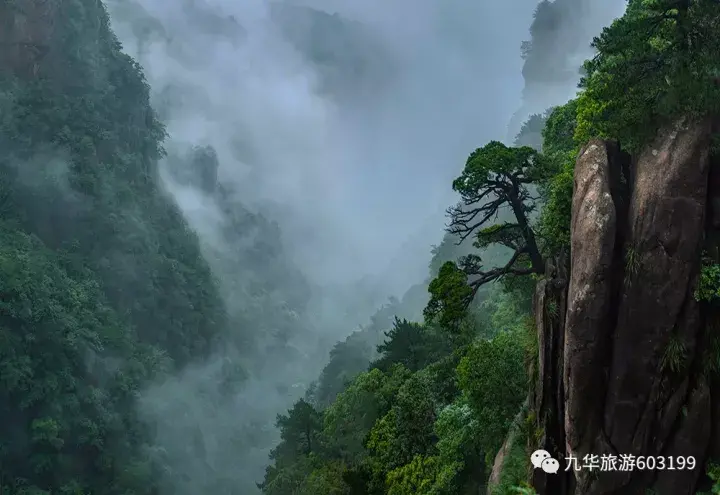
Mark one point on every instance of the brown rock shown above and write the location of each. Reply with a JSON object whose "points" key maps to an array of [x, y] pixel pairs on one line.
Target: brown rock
{"points": [[691, 440], [547, 397], [508, 444], [499, 463], [630, 339], [587, 325], [666, 230]]}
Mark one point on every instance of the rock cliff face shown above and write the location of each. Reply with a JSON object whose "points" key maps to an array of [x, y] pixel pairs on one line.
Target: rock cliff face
{"points": [[623, 361], [26, 31]]}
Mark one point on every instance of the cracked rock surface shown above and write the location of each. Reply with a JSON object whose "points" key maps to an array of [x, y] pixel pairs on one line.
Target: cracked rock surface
{"points": [[632, 339]]}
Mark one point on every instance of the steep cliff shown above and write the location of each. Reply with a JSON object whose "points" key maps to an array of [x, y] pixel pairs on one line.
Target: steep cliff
{"points": [[103, 287], [626, 363]]}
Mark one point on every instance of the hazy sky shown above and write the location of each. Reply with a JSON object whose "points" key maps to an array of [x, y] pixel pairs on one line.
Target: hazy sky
{"points": [[358, 178]]}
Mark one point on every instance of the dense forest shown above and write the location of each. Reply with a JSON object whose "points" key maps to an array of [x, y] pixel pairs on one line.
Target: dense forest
{"points": [[106, 289]]}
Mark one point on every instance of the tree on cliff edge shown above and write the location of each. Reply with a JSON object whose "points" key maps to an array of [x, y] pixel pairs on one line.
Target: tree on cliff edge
{"points": [[657, 62], [495, 177]]}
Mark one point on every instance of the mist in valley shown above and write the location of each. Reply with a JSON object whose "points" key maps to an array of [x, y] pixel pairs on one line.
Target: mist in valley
{"points": [[312, 146]]}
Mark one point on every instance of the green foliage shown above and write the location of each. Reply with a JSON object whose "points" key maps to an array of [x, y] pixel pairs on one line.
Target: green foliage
{"points": [[104, 285], [326, 479], [458, 447], [657, 62], [559, 131], [508, 307], [416, 477], [406, 426], [708, 288], [493, 377], [450, 249], [83, 168], [450, 295], [353, 356], [407, 429], [556, 215], [63, 401], [515, 470], [522, 490], [711, 351], [675, 356], [494, 161], [559, 146], [495, 177], [409, 432], [309, 475], [632, 261], [356, 353], [351, 417], [290, 478], [505, 233], [413, 345], [348, 359], [713, 472], [299, 431]]}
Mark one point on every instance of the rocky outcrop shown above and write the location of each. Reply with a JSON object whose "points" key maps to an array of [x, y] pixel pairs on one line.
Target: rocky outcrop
{"points": [[547, 395], [511, 441], [499, 463], [631, 341], [592, 273], [26, 31]]}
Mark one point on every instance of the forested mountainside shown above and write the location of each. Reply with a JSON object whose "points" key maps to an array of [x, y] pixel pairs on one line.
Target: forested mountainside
{"points": [[108, 294], [103, 284], [617, 354], [609, 223]]}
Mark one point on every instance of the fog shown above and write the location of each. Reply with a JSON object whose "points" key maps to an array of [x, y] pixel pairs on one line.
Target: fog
{"points": [[357, 174], [349, 143], [561, 33]]}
